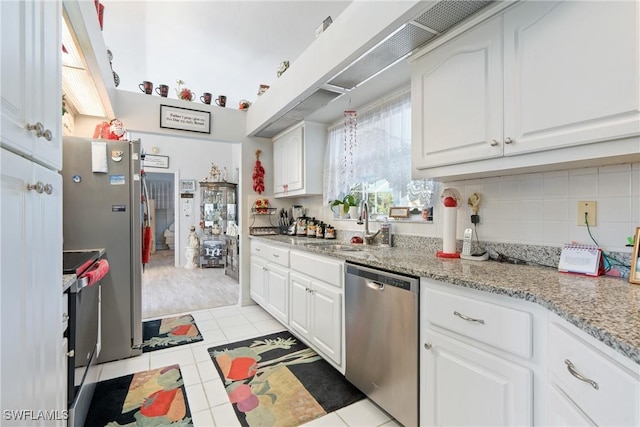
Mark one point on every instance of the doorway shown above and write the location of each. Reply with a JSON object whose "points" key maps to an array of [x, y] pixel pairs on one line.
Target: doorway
{"points": [[168, 287]]}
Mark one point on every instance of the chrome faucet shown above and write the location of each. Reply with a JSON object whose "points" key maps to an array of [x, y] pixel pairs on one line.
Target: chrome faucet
{"points": [[368, 237]]}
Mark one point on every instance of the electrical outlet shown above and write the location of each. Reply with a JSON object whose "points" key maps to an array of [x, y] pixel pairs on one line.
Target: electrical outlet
{"points": [[588, 207]]}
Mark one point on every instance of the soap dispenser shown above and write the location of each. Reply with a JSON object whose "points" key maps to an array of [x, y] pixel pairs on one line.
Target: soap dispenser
{"points": [[385, 232]]}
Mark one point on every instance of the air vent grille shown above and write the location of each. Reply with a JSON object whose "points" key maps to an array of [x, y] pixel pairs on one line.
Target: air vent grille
{"points": [[394, 48], [447, 13]]}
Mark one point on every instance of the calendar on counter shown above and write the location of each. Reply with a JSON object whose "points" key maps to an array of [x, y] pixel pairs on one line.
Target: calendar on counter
{"points": [[581, 259]]}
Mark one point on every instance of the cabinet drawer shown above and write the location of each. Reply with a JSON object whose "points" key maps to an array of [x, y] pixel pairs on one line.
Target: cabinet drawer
{"points": [[498, 326], [615, 401], [273, 254], [326, 269]]}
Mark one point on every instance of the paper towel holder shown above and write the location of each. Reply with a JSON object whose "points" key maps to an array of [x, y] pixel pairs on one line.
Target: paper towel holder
{"points": [[451, 200]]}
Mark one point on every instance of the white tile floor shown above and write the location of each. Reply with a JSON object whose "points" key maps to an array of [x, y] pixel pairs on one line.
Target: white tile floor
{"points": [[207, 397]]}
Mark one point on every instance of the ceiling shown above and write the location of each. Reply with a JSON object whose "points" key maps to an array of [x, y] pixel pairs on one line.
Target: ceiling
{"points": [[223, 47]]}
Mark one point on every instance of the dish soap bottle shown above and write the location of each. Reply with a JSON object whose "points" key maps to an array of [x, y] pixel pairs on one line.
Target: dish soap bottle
{"points": [[385, 233]]}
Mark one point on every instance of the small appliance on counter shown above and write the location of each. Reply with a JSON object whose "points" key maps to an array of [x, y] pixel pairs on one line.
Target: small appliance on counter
{"points": [[451, 200]]}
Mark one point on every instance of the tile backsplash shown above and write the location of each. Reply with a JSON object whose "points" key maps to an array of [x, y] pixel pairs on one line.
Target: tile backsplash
{"points": [[534, 209], [541, 208]]}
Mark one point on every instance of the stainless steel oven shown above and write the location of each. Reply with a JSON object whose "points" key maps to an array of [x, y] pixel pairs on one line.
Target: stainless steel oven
{"points": [[83, 334]]}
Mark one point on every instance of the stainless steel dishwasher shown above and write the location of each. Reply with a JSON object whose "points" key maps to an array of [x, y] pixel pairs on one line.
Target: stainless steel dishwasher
{"points": [[381, 310]]}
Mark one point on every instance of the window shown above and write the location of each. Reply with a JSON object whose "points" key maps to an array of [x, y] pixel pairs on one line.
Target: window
{"points": [[370, 158]]}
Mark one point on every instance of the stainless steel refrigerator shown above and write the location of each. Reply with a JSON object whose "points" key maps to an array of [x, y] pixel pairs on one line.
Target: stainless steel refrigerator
{"points": [[102, 208]]}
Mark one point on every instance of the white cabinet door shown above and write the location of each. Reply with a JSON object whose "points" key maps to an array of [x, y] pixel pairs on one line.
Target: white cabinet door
{"points": [[32, 263], [30, 83], [300, 318], [257, 280], [277, 297], [456, 100], [561, 411], [297, 160], [571, 73], [326, 312], [288, 162], [464, 386]]}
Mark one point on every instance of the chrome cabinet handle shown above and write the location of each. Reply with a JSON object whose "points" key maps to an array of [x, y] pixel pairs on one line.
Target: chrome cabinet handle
{"points": [[38, 187], [508, 140], [37, 127], [40, 131], [470, 319], [493, 143], [572, 370], [427, 346], [276, 256], [46, 135], [258, 249], [48, 188]]}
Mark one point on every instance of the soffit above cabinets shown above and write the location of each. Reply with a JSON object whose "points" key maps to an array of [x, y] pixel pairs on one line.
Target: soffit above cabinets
{"points": [[366, 39], [88, 75]]}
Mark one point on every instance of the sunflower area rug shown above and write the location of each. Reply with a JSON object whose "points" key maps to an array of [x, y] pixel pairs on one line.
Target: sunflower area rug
{"points": [[148, 398], [169, 332], [276, 380]]}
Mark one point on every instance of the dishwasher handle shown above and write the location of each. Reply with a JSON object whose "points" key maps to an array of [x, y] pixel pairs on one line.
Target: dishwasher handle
{"points": [[376, 286]]}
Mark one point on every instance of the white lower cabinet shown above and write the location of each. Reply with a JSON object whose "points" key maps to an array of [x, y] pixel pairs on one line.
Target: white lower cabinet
{"points": [[257, 285], [305, 293], [561, 411], [488, 359], [277, 295], [599, 386], [270, 279], [464, 385], [478, 359], [316, 314]]}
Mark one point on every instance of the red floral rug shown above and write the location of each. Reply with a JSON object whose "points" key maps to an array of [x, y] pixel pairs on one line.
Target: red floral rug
{"points": [[148, 398], [276, 380], [169, 332]]}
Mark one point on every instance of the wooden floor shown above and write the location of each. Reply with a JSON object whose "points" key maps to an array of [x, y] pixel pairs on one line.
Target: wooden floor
{"points": [[170, 290]]}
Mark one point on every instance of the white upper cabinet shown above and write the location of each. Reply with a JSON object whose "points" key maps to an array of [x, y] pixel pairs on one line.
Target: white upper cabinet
{"points": [[540, 86], [298, 155], [571, 74], [456, 100], [30, 91]]}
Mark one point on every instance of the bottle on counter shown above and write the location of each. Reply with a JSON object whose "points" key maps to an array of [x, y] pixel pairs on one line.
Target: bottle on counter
{"points": [[311, 227], [385, 233], [329, 232], [301, 227]]}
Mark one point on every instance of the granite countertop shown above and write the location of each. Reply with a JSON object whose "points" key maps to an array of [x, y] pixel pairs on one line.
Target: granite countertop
{"points": [[67, 281], [607, 308]]}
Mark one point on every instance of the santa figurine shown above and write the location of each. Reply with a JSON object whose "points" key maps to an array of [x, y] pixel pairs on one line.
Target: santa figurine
{"points": [[116, 130], [110, 130]]}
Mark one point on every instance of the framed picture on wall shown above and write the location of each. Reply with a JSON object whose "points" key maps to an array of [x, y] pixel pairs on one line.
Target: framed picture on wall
{"points": [[185, 119], [187, 185], [155, 161]]}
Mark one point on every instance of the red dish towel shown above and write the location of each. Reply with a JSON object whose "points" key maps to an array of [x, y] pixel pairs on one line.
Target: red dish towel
{"points": [[96, 272]]}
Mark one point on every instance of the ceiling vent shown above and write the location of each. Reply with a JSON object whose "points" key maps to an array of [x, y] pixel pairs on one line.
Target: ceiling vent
{"points": [[439, 18], [412, 35]]}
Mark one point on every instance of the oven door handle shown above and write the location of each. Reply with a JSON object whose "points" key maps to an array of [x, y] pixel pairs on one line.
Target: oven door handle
{"points": [[94, 274]]}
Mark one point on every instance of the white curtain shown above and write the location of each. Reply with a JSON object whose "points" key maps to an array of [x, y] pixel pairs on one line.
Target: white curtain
{"points": [[382, 149]]}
